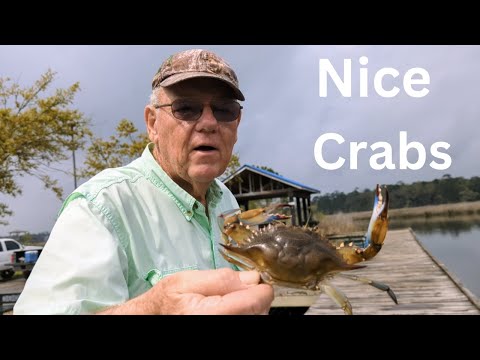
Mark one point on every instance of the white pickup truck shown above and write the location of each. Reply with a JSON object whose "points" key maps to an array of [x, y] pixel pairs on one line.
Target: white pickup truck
{"points": [[14, 256]]}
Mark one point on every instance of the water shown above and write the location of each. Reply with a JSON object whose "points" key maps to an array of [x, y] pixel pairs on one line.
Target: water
{"points": [[453, 241]]}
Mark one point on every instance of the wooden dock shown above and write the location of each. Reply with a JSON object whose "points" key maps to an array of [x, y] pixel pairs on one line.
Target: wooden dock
{"points": [[422, 284]]}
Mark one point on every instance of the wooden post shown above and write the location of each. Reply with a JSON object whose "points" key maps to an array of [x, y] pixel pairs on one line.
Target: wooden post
{"points": [[299, 211], [305, 210], [290, 199], [309, 207]]}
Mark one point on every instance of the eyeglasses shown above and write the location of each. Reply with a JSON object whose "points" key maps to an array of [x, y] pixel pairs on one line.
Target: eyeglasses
{"points": [[191, 109]]}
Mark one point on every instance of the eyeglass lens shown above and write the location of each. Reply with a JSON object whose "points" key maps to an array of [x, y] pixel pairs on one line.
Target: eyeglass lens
{"points": [[191, 110]]}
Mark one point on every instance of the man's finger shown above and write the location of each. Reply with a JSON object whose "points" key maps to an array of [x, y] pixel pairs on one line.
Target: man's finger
{"points": [[255, 300], [215, 282]]}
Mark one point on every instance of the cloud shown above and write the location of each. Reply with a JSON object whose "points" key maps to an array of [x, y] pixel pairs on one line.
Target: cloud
{"points": [[283, 115]]}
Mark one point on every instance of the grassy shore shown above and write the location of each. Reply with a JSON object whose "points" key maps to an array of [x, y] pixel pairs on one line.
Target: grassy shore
{"points": [[337, 224], [444, 210], [400, 218]]}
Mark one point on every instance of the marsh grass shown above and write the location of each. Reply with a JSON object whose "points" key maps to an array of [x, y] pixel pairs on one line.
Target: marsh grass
{"points": [[337, 224], [342, 223], [444, 210]]}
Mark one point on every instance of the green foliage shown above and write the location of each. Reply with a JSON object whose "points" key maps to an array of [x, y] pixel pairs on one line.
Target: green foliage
{"points": [[233, 165], [263, 167], [26, 238], [4, 212], [36, 131], [440, 191], [117, 150]]}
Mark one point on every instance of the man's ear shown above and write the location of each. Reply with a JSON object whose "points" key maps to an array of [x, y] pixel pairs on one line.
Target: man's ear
{"points": [[151, 122]]}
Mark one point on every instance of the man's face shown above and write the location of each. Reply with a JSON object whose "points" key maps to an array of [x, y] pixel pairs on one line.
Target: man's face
{"points": [[192, 151]]}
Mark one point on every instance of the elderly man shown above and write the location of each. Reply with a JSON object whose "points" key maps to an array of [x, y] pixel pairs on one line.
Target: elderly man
{"points": [[143, 238]]}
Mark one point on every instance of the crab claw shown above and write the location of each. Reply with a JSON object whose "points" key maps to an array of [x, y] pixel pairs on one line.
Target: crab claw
{"points": [[262, 215], [227, 217], [377, 230], [378, 226]]}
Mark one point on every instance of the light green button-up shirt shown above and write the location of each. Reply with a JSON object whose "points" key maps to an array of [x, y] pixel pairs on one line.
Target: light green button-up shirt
{"points": [[118, 234]]}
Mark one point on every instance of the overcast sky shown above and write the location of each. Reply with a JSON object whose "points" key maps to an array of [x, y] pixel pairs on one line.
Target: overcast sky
{"points": [[283, 112]]}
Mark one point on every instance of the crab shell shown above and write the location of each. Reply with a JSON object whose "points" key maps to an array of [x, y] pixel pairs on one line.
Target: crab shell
{"points": [[296, 256], [288, 256]]}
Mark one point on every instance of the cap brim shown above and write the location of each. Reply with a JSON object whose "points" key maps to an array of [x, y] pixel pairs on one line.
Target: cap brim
{"points": [[191, 75]]}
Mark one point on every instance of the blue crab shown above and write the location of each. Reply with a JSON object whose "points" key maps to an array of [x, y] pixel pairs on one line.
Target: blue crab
{"points": [[298, 257]]}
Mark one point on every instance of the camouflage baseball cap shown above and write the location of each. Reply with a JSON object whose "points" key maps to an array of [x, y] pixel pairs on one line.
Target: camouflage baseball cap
{"points": [[196, 63]]}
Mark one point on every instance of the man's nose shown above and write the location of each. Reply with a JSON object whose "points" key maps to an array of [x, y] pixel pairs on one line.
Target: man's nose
{"points": [[207, 120]]}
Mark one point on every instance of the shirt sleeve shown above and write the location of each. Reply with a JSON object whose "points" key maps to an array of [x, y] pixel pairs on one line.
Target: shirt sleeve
{"points": [[82, 268]]}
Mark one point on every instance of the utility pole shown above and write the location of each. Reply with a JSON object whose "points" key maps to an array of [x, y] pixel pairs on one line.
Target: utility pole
{"points": [[73, 157], [74, 168]]}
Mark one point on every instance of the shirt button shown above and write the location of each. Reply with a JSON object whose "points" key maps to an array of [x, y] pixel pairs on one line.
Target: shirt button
{"points": [[189, 213]]}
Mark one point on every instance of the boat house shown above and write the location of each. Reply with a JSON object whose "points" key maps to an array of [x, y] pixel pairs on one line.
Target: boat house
{"points": [[250, 183]]}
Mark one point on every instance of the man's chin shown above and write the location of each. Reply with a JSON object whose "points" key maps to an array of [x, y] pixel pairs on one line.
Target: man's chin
{"points": [[205, 173]]}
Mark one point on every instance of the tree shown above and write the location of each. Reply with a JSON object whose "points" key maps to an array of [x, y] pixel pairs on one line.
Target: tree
{"points": [[116, 151], [35, 132], [263, 167], [233, 165], [122, 148]]}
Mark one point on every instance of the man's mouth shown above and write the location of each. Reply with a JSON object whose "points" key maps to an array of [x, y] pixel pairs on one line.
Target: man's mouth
{"points": [[205, 148]]}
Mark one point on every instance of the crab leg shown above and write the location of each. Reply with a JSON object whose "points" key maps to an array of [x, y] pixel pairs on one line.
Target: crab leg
{"points": [[244, 263], [336, 295], [376, 284]]}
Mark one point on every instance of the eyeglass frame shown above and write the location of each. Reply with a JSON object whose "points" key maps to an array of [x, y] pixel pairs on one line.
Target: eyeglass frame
{"points": [[201, 113]]}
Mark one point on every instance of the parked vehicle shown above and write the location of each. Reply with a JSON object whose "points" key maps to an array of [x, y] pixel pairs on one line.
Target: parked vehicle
{"points": [[24, 260], [14, 257]]}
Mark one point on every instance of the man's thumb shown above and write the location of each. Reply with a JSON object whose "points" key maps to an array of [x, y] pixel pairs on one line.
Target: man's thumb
{"points": [[249, 277]]}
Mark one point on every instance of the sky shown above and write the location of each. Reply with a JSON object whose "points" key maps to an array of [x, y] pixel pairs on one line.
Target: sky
{"points": [[283, 114]]}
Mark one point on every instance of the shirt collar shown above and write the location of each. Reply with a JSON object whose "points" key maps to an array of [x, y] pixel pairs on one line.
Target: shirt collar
{"points": [[182, 199]]}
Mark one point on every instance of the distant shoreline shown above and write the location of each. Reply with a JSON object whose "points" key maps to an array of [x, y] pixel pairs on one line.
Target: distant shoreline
{"points": [[460, 213], [443, 210]]}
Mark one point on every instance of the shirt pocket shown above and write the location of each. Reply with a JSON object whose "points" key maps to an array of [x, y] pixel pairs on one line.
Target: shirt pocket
{"points": [[155, 275]]}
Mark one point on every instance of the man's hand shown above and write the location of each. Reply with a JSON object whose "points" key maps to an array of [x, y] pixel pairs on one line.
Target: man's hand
{"points": [[221, 292]]}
